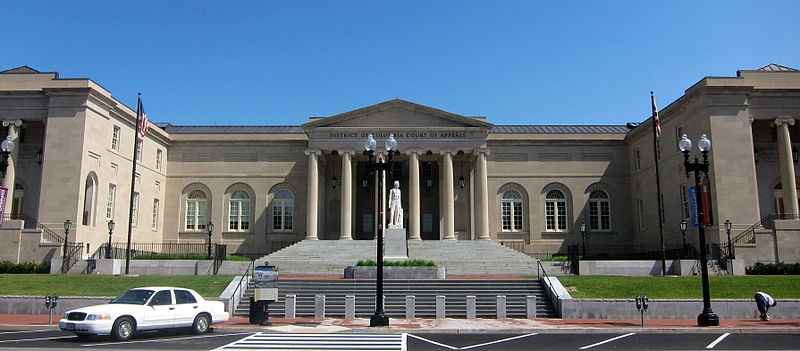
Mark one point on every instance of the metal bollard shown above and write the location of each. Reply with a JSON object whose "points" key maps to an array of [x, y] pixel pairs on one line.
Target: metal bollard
{"points": [[290, 306], [501, 307], [349, 307], [471, 309], [530, 306], [319, 307], [440, 307], [411, 305]]}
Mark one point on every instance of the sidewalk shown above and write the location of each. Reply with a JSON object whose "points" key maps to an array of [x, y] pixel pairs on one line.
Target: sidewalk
{"points": [[462, 325]]}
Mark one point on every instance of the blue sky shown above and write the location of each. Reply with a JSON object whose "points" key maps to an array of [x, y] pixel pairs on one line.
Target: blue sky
{"points": [[279, 62]]}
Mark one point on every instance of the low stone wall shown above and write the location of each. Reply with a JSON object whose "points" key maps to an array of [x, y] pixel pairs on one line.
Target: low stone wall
{"points": [[35, 304], [672, 309], [153, 267], [648, 267], [396, 272]]}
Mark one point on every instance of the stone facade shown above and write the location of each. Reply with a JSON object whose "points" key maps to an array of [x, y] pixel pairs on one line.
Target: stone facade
{"points": [[462, 177]]}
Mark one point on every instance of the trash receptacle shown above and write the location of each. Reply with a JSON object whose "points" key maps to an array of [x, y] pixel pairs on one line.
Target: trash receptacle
{"points": [[266, 292]]}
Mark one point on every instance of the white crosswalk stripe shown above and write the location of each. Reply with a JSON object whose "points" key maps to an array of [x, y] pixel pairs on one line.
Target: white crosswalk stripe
{"points": [[308, 342]]}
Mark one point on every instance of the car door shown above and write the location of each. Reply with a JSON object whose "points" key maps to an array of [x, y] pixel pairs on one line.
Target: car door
{"points": [[186, 308], [161, 311]]}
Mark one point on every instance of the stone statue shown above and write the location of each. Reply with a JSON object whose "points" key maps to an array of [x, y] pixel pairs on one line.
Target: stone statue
{"points": [[395, 207]]}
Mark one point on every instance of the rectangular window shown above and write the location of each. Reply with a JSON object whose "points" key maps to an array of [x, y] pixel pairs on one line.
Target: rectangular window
{"points": [[112, 196], [562, 215], [155, 214], [637, 160], [135, 216], [139, 146], [640, 213], [506, 216], [605, 215], [684, 201], [517, 216], [550, 215], [115, 139], [159, 155]]}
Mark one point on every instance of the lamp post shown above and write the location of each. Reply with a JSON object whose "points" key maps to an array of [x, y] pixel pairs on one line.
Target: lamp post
{"points": [[700, 170], [728, 226], [6, 147], [583, 237], [379, 318], [110, 231], [210, 227], [67, 225], [683, 232]]}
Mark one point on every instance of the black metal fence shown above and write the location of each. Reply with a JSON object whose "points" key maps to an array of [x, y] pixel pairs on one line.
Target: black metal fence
{"points": [[191, 250]]}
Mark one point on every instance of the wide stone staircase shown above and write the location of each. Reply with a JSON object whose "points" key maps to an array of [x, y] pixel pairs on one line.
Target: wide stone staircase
{"points": [[425, 291], [472, 257]]}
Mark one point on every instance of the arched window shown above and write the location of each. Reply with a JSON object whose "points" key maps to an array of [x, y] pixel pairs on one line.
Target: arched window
{"points": [[196, 211], [599, 211], [555, 207], [239, 212], [511, 207], [282, 210], [89, 193]]}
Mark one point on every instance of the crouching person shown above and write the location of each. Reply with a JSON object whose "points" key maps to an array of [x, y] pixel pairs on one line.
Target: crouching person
{"points": [[764, 302]]}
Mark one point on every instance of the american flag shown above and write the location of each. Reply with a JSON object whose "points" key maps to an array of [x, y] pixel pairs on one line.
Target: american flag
{"points": [[656, 120], [144, 123]]}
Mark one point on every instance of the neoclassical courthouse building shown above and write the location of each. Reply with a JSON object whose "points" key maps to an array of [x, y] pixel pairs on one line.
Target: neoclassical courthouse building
{"points": [[462, 177]]}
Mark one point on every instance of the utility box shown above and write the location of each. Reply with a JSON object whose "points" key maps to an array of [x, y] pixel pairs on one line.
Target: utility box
{"points": [[265, 279], [266, 294]]}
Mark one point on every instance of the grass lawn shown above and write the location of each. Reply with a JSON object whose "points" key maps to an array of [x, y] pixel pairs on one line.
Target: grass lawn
{"points": [[722, 287], [104, 285]]}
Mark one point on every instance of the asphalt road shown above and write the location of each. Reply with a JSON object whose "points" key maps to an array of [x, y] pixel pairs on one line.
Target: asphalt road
{"points": [[49, 339]]}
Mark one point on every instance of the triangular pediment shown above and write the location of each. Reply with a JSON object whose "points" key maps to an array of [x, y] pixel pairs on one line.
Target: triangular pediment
{"points": [[397, 113]]}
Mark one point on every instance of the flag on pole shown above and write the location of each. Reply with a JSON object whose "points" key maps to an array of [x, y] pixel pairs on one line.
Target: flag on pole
{"points": [[144, 123], [656, 120]]}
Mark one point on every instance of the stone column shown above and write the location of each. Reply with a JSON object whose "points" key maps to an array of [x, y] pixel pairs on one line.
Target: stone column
{"points": [[413, 197], [8, 181], [786, 166], [482, 197], [313, 189], [449, 198], [347, 197]]}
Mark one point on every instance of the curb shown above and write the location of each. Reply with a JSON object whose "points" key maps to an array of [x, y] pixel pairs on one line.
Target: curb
{"points": [[570, 330]]}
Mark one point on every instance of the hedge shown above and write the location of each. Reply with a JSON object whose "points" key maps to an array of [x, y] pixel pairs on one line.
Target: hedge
{"points": [[405, 263], [8, 267], [774, 269]]}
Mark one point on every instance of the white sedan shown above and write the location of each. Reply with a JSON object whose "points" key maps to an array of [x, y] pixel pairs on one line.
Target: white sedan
{"points": [[149, 308]]}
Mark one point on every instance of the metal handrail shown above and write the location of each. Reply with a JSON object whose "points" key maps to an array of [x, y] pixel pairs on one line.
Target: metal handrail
{"points": [[50, 235], [234, 301], [748, 236], [540, 271]]}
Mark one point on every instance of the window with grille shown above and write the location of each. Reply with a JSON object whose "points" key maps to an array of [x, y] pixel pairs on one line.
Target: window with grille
{"points": [[156, 213], [555, 206], [599, 211], [511, 207], [111, 200], [239, 212], [115, 139], [282, 210], [196, 215]]}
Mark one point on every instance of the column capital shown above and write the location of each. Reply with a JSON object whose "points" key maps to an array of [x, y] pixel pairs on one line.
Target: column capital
{"points": [[14, 122], [313, 151], [481, 150], [789, 121]]}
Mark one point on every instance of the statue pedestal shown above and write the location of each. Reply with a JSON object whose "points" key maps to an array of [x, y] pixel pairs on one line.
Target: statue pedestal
{"points": [[394, 244]]}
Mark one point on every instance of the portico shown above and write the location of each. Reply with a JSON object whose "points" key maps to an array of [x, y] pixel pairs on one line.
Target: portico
{"points": [[441, 169]]}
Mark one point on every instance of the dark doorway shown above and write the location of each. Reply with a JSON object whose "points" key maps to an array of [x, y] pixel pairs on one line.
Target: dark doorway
{"points": [[429, 201], [365, 204]]}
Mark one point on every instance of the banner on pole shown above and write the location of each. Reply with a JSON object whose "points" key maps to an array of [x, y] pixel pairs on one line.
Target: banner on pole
{"points": [[3, 196], [692, 194]]}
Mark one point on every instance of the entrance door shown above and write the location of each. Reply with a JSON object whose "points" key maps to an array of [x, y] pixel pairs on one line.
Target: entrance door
{"points": [[365, 204], [429, 201]]}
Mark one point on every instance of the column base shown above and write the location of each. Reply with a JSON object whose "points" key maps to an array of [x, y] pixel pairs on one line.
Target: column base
{"points": [[708, 319]]}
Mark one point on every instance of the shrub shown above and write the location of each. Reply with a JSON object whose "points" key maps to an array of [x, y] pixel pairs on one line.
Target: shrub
{"points": [[557, 258], [774, 269], [8, 267], [404, 263]]}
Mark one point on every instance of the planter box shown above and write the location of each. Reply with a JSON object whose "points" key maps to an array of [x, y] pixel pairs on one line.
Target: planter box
{"points": [[358, 272]]}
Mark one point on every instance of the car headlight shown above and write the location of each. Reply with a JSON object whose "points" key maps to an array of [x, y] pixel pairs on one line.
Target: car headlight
{"points": [[95, 317]]}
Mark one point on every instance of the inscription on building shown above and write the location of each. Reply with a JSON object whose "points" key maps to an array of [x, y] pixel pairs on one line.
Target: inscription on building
{"points": [[414, 134]]}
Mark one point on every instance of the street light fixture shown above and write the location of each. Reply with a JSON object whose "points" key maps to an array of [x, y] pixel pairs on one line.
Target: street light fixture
{"points": [[210, 227], [684, 224], [700, 170], [583, 237], [379, 318], [110, 231], [67, 226], [6, 147], [728, 227]]}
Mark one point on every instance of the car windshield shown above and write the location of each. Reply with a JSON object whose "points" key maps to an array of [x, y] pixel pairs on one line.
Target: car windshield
{"points": [[134, 297]]}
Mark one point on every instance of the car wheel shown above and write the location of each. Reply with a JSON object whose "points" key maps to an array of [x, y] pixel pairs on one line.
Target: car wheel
{"points": [[201, 324], [123, 329]]}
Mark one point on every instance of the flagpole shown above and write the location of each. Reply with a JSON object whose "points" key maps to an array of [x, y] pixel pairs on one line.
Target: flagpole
{"points": [[133, 181], [658, 187]]}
